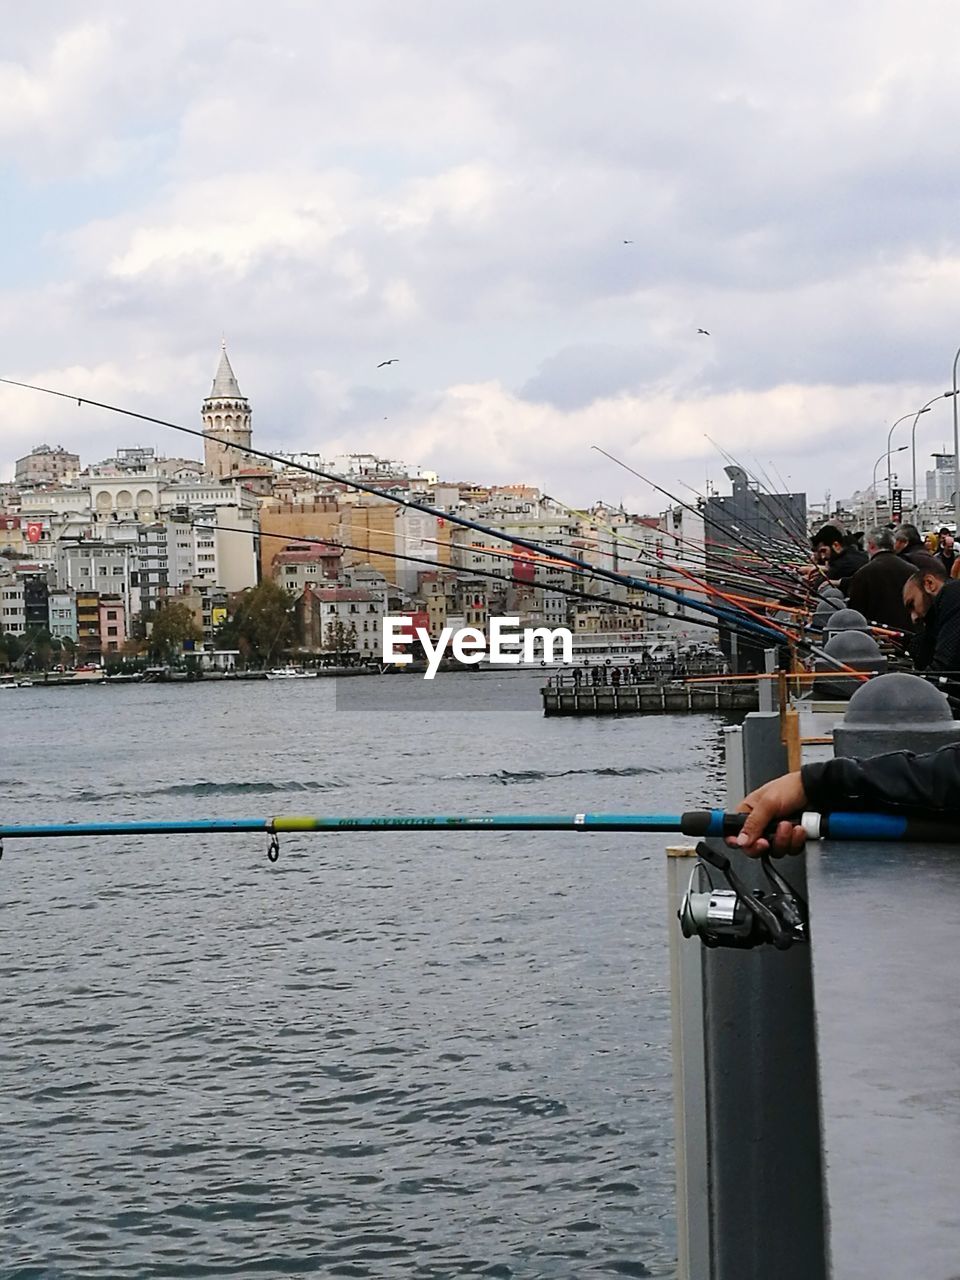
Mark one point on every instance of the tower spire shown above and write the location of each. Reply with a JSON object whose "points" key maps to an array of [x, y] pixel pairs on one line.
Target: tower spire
{"points": [[225, 385]]}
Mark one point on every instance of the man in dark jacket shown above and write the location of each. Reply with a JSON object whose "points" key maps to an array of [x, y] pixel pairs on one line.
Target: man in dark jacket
{"points": [[927, 785], [933, 602], [837, 555], [909, 545], [877, 589]]}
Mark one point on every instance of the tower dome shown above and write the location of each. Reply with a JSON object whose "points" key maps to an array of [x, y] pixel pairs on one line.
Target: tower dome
{"points": [[226, 416]]}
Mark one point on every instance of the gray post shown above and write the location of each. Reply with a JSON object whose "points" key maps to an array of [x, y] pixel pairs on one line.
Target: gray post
{"points": [[767, 695], [762, 1159], [689, 1091]]}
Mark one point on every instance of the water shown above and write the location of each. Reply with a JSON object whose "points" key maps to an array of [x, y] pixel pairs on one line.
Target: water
{"points": [[420, 1055]]}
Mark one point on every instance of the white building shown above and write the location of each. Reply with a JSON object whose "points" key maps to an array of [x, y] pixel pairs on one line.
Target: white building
{"points": [[13, 615], [357, 609]]}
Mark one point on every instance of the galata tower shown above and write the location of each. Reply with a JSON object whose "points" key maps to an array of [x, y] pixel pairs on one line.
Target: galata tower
{"points": [[226, 415]]}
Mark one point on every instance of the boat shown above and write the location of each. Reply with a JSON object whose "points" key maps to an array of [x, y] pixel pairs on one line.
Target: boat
{"points": [[604, 649], [291, 673], [16, 684]]}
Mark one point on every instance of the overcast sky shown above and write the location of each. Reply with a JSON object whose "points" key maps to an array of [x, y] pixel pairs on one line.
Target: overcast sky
{"points": [[451, 183]]}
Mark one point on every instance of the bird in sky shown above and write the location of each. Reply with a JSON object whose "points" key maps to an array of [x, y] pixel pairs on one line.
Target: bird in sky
{"points": [[395, 360], [705, 332], [628, 242]]}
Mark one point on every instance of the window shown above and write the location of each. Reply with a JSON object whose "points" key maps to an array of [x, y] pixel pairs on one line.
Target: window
{"points": [[112, 631]]}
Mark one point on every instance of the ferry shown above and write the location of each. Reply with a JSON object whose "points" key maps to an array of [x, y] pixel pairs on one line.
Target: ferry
{"points": [[604, 649], [291, 673]]}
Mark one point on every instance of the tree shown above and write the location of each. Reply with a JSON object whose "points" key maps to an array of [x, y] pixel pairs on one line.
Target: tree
{"points": [[173, 625], [262, 624], [340, 640]]}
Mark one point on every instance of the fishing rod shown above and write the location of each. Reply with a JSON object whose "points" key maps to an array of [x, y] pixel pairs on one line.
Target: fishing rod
{"points": [[702, 585], [840, 666], [702, 514], [698, 557], [703, 823], [574, 593], [408, 503], [771, 511], [768, 542]]}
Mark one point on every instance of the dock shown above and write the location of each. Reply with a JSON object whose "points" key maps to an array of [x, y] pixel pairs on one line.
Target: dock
{"points": [[563, 696]]}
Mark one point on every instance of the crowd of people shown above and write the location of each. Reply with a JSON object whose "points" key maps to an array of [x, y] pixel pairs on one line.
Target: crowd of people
{"points": [[643, 670], [910, 584], [903, 582]]}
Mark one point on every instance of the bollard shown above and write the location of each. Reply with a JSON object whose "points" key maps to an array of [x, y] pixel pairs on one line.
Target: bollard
{"points": [[856, 649], [896, 712], [846, 620], [761, 1159], [884, 937], [828, 606]]}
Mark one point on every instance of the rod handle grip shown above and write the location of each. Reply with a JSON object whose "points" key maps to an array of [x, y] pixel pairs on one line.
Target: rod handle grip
{"points": [[711, 822]]}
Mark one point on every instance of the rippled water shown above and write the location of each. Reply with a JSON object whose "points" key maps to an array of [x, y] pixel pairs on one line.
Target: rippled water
{"points": [[426, 1055]]}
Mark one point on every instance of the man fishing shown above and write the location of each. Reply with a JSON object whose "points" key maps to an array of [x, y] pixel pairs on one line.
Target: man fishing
{"points": [[924, 785], [837, 555]]}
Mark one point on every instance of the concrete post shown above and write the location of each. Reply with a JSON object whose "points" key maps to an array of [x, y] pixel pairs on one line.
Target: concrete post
{"points": [[763, 1103], [689, 1093], [761, 1158]]}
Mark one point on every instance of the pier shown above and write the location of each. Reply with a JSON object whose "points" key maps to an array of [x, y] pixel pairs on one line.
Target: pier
{"points": [[565, 696]]}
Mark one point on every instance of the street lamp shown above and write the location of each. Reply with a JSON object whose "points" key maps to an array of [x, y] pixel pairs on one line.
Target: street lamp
{"points": [[956, 449], [889, 441], [913, 444], [886, 454]]}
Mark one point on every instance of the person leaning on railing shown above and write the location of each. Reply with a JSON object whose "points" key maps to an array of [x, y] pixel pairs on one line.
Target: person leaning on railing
{"points": [[927, 785]]}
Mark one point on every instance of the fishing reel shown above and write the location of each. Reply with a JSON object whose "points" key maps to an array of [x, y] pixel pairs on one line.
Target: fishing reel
{"points": [[736, 916]]}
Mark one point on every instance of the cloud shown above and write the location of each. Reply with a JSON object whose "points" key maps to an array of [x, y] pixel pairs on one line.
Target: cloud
{"points": [[332, 185]]}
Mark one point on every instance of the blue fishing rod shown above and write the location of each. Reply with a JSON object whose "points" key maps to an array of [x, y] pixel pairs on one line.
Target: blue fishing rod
{"points": [[701, 823]]}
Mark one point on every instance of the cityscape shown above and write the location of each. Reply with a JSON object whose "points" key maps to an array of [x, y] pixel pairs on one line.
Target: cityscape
{"points": [[143, 559]]}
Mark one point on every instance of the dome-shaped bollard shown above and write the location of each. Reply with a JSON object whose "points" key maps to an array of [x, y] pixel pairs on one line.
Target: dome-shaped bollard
{"points": [[825, 609], [846, 620], [896, 712], [855, 649], [827, 591]]}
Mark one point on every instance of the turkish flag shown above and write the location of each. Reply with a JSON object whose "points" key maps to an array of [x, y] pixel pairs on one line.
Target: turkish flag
{"points": [[34, 530]]}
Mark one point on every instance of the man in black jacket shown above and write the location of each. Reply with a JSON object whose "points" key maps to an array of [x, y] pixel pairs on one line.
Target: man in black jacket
{"points": [[837, 555], [877, 589], [933, 602], [926, 784]]}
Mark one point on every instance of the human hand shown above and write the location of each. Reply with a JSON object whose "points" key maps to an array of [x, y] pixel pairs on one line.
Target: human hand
{"points": [[781, 798]]}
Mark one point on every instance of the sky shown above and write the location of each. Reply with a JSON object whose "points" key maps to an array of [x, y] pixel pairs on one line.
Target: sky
{"points": [[452, 184]]}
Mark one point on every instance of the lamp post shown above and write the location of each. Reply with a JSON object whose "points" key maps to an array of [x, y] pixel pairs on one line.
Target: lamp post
{"points": [[889, 442], [886, 454], [956, 449], [913, 443]]}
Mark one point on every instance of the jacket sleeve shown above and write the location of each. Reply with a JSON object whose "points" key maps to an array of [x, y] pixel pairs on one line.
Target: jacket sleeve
{"points": [[900, 780]]}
